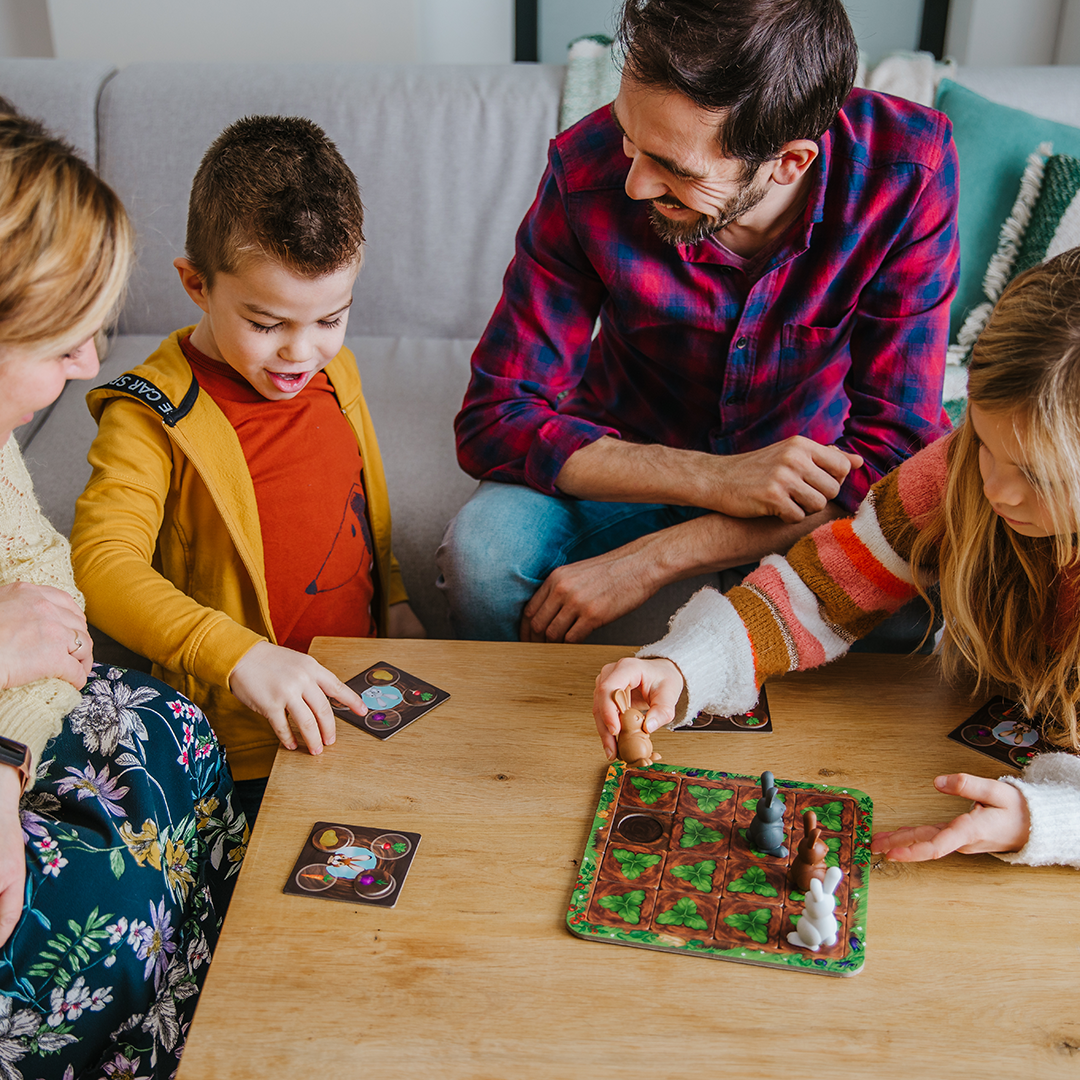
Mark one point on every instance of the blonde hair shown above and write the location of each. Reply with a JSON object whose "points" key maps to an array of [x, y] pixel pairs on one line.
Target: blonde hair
{"points": [[999, 590], [65, 240]]}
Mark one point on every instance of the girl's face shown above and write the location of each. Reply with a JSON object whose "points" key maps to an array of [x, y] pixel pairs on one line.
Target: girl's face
{"points": [[1013, 497], [30, 379]]}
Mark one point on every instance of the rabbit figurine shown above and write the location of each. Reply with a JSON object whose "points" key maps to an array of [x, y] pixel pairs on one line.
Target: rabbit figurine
{"points": [[809, 861], [817, 926], [635, 746], [766, 831]]}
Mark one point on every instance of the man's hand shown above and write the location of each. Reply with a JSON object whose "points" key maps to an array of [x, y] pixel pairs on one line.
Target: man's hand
{"points": [[578, 597], [790, 480], [998, 821], [39, 629], [282, 684], [12, 853]]}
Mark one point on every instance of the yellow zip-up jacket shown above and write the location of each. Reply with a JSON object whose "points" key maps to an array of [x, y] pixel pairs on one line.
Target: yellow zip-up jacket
{"points": [[167, 546]]}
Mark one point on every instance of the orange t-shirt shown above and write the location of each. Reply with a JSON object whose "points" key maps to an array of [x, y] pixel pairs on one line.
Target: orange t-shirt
{"points": [[308, 478]]}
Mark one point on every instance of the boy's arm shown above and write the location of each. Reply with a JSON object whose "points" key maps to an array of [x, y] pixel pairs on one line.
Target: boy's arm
{"points": [[117, 522]]}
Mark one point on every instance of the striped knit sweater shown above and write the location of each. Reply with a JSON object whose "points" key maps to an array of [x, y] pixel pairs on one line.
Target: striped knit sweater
{"points": [[835, 586]]}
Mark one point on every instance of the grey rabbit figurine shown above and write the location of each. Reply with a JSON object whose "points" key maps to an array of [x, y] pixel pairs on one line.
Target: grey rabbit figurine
{"points": [[766, 831]]}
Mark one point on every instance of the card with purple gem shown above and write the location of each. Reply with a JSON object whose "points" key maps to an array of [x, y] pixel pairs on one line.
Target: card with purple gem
{"points": [[394, 699], [353, 863], [757, 719], [1002, 731]]}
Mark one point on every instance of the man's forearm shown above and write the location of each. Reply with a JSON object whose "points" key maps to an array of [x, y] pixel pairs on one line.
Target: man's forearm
{"points": [[716, 542], [611, 470]]}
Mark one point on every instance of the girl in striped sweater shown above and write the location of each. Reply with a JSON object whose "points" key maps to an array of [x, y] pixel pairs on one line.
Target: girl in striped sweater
{"points": [[991, 516]]}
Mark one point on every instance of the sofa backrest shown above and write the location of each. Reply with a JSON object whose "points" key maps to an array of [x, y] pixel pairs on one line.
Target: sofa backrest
{"points": [[63, 94], [443, 197]]}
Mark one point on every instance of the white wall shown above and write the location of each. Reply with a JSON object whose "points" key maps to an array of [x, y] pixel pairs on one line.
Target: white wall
{"points": [[989, 33], [24, 28], [402, 31]]}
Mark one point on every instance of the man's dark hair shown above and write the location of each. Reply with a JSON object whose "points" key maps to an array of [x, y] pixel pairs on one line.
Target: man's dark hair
{"points": [[274, 186], [781, 68]]}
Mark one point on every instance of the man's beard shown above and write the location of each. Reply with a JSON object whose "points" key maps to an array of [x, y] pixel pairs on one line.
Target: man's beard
{"points": [[690, 232]]}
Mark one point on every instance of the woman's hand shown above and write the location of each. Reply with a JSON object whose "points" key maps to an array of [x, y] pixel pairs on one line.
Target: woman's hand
{"points": [[40, 628], [12, 852], [998, 821], [654, 685], [283, 684]]}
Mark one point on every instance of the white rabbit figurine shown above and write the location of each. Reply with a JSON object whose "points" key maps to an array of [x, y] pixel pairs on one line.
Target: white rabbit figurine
{"points": [[817, 926]]}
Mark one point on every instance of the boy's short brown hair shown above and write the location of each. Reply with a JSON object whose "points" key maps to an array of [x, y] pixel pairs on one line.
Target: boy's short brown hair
{"points": [[274, 186]]}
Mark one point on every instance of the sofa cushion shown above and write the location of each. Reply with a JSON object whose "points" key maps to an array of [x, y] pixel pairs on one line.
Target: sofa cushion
{"points": [[448, 159], [993, 142]]}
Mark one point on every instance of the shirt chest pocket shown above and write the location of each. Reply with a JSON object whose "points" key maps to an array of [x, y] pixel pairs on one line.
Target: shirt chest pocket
{"points": [[814, 353]]}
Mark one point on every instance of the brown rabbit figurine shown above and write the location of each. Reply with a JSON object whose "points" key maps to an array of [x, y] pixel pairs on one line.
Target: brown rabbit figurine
{"points": [[635, 746], [809, 861]]}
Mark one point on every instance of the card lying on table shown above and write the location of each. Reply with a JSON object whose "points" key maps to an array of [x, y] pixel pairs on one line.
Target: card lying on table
{"points": [[353, 863], [1002, 731], [394, 699], [757, 719]]}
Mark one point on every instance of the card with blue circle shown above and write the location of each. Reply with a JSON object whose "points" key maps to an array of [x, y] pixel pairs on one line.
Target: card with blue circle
{"points": [[1001, 730], [393, 697]]}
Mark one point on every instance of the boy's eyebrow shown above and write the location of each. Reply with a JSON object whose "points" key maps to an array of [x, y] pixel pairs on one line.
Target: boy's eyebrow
{"points": [[255, 310], [672, 167]]}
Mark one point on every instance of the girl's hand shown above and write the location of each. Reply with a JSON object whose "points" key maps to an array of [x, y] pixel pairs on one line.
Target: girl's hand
{"points": [[998, 821], [282, 684], [12, 853], [39, 629], [654, 685]]}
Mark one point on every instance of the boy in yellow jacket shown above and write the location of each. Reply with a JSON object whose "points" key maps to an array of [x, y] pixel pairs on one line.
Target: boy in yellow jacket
{"points": [[237, 505]]}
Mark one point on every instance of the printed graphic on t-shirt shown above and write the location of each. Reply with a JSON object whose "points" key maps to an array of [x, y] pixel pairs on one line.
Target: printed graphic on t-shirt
{"points": [[347, 556]]}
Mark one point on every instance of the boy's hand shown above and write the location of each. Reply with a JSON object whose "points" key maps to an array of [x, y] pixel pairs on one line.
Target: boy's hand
{"points": [[998, 821], [403, 622], [280, 684], [654, 685]]}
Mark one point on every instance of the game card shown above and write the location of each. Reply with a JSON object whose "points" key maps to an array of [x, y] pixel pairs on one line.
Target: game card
{"points": [[394, 699], [757, 719], [1002, 731], [353, 863]]}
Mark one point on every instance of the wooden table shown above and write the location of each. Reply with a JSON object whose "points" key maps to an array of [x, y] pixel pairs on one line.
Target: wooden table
{"points": [[972, 965]]}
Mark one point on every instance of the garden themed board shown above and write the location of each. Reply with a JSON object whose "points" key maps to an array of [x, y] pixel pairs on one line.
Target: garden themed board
{"points": [[667, 866]]}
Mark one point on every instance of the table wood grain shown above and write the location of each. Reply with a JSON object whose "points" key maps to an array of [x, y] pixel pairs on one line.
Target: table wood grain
{"points": [[972, 964]]}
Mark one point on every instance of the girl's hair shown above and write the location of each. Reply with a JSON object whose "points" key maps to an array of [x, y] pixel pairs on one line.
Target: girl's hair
{"points": [[65, 239], [999, 590]]}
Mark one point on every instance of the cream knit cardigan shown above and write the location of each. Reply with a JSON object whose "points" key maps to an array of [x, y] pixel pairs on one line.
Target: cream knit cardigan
{"points": [[31, 550]]}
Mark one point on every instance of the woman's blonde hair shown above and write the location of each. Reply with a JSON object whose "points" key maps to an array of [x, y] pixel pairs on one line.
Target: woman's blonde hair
{"points": [[65, 239], [1000, 591]]}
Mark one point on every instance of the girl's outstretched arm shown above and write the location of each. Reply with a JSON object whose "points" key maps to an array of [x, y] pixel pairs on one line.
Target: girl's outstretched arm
{"points": [[998, 821]]}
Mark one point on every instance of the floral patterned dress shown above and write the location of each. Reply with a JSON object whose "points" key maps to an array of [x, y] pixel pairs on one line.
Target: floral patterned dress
{"points": [[132, 849]]}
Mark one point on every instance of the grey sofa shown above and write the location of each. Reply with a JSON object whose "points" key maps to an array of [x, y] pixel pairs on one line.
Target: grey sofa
{"points": [[448, 160]]}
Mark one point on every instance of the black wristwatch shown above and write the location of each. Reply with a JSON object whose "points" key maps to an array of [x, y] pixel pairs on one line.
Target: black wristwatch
{"points": [[17, 755]]}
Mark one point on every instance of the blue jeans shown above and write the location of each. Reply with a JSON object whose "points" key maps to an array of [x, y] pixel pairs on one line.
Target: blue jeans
{"points": [[508, 538]]}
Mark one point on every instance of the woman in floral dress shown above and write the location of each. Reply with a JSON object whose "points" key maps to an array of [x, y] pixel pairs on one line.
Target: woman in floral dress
{"points": [[118, 863]]}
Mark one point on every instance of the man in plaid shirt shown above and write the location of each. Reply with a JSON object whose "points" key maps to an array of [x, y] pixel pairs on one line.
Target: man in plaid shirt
{"points": [[771, 259]]}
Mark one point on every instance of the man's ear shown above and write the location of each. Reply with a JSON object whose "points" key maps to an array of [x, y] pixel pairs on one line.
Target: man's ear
{"points": [[794, 159], [194, 284]]}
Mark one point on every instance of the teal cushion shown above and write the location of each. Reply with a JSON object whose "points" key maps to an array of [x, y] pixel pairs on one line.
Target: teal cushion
{"points": [[992, 143]]}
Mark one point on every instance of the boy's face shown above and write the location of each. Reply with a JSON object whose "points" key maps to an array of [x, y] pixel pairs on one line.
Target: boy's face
{"points": [[275, 327]]}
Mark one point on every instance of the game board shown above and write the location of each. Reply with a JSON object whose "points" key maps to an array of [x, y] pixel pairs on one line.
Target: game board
{"points": [[667, 866], [353, 863], [757, 719]]}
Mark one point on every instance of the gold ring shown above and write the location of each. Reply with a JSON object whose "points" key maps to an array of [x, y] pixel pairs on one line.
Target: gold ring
{"points": [[78, 645]]}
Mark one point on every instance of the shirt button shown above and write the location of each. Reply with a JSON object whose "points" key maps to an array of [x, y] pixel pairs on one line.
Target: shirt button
{"points": [[741, 343]]}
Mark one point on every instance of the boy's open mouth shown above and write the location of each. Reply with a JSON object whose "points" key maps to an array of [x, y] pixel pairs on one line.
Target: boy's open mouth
{"points": [[288, 380]]}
